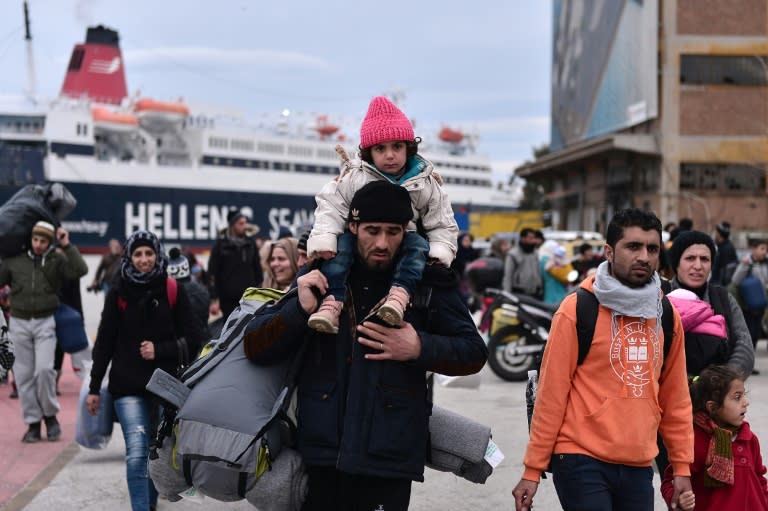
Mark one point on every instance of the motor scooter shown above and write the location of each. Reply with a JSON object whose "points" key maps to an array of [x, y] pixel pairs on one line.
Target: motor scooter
{"points": [[516, 327]]}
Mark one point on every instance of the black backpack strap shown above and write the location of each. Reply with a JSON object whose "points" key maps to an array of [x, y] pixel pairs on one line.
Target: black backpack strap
{"points": [[667, 325], [586, 317]]}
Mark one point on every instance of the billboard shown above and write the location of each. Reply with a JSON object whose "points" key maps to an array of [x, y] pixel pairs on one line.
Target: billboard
{"points": [[604, 67]]}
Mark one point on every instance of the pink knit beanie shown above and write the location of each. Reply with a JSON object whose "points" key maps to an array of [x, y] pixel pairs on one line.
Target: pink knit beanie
{"points": [[384, 122]]}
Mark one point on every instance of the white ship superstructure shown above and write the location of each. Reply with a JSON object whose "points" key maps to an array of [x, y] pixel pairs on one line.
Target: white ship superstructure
{"points": [[135, 162]]}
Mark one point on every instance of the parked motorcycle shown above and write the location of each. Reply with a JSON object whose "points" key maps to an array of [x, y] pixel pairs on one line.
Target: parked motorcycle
{"points": [[517, 327]]}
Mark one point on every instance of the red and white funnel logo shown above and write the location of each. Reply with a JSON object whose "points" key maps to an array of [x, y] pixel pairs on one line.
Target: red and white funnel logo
{"points": [[96, 68], [106, 67]]}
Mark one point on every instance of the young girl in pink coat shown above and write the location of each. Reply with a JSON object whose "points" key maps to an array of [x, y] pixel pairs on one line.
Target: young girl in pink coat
{"points": [[727, 473]]}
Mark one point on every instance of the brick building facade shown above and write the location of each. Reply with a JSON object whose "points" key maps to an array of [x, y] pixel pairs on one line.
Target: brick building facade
{"points": [[704, 154]]}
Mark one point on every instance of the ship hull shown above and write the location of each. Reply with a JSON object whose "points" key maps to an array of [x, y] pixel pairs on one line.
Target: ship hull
{"points": [[189, 217]]}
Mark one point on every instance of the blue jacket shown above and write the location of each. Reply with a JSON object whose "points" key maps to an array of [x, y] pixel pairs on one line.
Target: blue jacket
{"points": [[362, 416]]}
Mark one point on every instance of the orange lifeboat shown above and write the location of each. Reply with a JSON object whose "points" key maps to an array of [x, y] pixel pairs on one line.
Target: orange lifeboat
{"points": [[324, 128], [451, 136], [109, 120], [150, 109]]}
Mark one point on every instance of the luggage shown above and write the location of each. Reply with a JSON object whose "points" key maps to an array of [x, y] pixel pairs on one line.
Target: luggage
{"points": [[50, 202], [94, 431], [70, 331], [226, 424]]}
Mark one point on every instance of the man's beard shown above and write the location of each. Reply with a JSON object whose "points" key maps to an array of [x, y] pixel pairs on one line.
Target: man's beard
{"points": [[378, 266]]}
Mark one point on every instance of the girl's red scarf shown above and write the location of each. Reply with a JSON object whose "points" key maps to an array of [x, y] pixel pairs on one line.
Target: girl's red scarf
{"points": [[719, 461]]}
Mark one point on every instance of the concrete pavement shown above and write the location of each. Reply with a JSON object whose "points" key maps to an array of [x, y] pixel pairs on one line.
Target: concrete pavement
{"points": [[69, 477], [94, 480]]}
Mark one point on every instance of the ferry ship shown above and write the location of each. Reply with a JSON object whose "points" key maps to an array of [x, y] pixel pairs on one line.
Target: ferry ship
{"points": [[175, 169]]}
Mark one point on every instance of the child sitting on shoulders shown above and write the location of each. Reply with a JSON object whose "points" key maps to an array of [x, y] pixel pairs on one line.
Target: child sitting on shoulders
{"points": [[727, 472], [388, 152]]}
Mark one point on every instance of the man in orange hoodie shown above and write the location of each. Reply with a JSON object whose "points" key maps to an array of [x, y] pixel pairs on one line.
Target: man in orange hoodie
{"points": [[595, 424]]}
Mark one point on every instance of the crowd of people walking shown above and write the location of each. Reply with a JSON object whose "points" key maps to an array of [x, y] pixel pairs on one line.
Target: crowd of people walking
{"points": [[366, 347]]}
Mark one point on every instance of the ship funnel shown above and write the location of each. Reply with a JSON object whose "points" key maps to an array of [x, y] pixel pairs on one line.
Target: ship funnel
{"points": [[96, 68]]}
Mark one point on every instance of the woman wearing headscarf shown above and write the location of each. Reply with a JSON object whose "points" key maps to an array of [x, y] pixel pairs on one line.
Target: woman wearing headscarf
{"points": [[715, 330], [691, 257], [282, 264], [144, 315]]}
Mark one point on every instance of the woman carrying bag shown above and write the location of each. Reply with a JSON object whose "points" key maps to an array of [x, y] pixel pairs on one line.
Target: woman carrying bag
{"points": [[145, 314]]}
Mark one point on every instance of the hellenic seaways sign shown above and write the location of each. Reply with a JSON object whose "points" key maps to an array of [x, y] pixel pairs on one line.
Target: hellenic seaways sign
{"points": [[179, 216]]}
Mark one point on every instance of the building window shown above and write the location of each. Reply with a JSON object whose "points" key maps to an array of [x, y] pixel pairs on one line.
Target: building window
{"points": [[730, 177], [728, 70]]}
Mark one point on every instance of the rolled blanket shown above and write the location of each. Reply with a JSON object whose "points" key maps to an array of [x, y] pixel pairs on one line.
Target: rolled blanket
{"points": [[459, 445], [283, 487], [168, 481]]}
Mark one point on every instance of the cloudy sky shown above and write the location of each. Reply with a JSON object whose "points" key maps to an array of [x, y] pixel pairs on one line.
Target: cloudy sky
{"points": [[480, 66]]}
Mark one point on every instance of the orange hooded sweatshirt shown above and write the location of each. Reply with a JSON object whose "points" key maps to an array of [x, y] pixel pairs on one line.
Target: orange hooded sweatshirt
{"points": [[612, 405]]}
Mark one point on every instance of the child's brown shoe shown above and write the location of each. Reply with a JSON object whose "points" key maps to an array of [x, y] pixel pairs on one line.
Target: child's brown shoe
{"points": [[326, 319], [394, 307]]}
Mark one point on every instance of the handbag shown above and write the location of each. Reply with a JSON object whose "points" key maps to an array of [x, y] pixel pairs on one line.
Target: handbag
{"points": [[70, 331], [94, 431], [752, 293]]}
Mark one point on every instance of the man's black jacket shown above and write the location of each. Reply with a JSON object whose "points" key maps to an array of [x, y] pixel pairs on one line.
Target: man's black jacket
{"points": [[365, 416], [233, 266]]}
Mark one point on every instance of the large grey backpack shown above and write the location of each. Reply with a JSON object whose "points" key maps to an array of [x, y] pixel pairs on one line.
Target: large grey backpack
{"points": [[225, 426]]}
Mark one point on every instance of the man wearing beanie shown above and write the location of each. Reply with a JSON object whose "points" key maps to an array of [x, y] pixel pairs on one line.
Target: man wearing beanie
{"points": [[35, 278], [726, 259], [199, 298], [234, 264], [362, 394], [388, 154]]}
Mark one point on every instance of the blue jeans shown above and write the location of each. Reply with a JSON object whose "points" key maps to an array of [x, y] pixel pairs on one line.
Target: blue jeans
{"points": [[586, 484], [408, 266], [134, 414]]}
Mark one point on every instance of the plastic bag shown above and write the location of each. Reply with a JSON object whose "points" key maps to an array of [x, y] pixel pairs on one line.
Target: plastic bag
{"points": [[94, 431], [81, 361]]}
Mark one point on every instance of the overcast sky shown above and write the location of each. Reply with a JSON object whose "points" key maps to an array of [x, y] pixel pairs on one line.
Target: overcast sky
{"points": [[481, 66]]}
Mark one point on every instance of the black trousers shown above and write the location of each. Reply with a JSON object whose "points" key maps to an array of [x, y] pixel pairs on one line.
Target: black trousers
{"points": [[754, 321], [331, 490]]}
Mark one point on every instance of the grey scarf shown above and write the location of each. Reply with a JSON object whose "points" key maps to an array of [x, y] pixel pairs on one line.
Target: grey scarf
{"points": [[644, 302]]}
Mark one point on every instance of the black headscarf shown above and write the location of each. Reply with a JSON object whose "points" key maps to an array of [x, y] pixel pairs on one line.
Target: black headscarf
{"points": [[129, 272]]}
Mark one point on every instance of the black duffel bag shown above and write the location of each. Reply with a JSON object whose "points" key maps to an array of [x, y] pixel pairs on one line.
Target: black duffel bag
{"points": [[32, 203]]}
